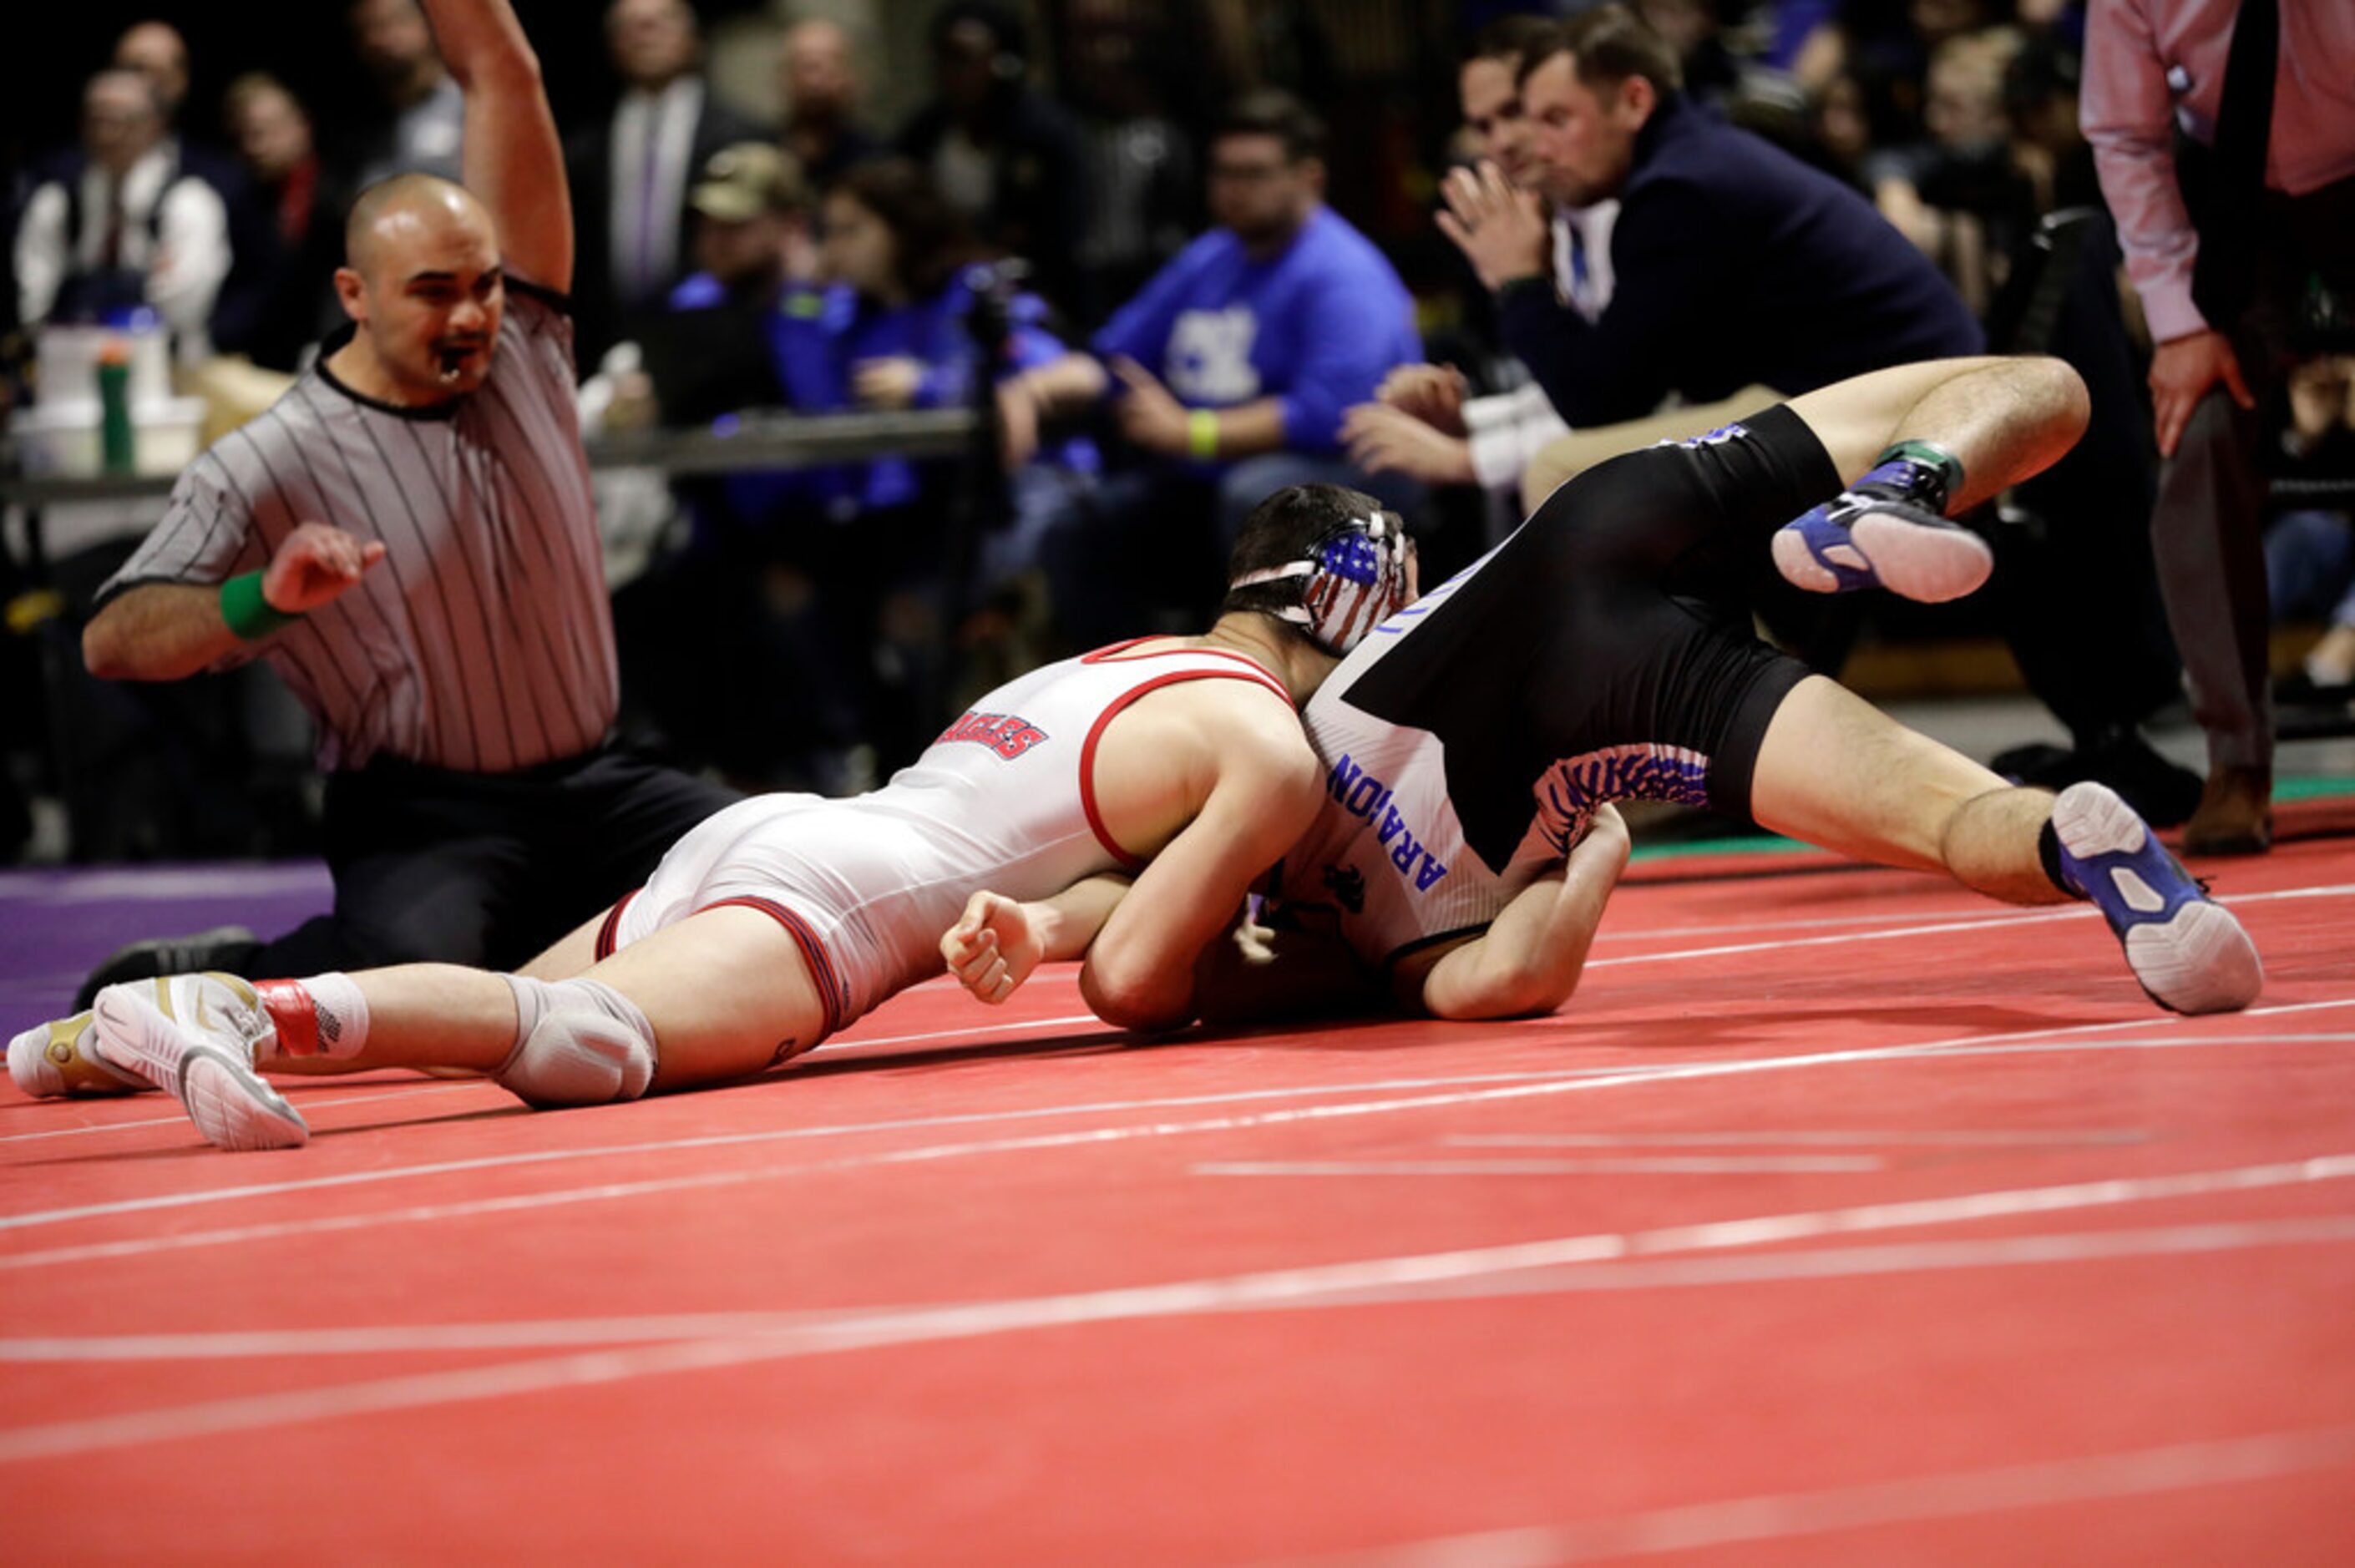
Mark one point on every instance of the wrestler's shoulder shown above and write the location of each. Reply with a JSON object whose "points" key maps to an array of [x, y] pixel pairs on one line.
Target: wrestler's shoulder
{"points": [[1219, 727]]}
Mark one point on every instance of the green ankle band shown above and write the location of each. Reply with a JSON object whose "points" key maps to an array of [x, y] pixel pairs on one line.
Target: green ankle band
{"points": [[246, 613], [1929, 455]]}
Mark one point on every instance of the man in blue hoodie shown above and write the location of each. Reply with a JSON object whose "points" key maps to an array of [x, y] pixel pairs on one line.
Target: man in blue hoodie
{"points": [[1230, 369]]}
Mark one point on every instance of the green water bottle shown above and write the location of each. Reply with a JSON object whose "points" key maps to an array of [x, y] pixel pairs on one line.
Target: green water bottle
{"points": [[117, 450]]}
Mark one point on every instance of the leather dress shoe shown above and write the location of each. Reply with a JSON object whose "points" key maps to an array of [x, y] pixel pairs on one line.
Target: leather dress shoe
{"points": [[2236, 814]]}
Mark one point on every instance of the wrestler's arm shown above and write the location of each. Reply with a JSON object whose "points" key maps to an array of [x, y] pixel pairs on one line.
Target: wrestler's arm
{"points": [[1065, 924], [1139, 972], [997, 942], [1250, 974], [512, 160], [1528, 960]]}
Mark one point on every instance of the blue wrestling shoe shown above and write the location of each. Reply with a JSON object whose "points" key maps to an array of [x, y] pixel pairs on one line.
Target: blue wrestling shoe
{"points": [[1888, 531], [2187, 949]]}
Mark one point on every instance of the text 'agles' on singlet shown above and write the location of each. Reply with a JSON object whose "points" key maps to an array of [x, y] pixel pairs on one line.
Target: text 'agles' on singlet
{"points": [[1388, 852], [483, 641], [1003, 800]]}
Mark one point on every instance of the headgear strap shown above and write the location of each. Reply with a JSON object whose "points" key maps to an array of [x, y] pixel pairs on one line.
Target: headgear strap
{"points": [[1356, 579]]}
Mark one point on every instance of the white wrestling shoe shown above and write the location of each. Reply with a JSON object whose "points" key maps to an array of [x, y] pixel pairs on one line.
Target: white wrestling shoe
{"points": [[55, 1061], [194, 1035], [2187, 950]]}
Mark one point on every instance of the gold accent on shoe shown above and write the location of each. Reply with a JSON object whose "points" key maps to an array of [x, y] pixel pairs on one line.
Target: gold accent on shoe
{"points": [[54, 1061]]}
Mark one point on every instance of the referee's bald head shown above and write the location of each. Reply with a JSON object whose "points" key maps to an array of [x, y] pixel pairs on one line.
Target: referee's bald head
{"points": [[423, 281], [392, 217]]}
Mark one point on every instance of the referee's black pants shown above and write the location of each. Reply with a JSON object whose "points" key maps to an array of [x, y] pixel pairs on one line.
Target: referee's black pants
{"points": [[487, 869]]}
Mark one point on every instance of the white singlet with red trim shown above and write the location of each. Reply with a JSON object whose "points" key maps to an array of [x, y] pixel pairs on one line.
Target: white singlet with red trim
{"points": [[1004, 799]]}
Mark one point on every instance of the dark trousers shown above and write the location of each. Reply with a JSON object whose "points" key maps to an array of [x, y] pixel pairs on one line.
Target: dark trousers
{"points": [[2075, 587], [2207, 529], [2208, 532], [484, 869]]}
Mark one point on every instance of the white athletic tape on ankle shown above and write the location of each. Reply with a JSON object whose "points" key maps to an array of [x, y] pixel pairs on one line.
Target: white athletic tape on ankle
{"points": [[343, 1013]]}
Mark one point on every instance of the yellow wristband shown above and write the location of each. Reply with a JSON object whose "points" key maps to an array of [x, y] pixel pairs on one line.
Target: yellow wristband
{"points": [[1202, 433]]}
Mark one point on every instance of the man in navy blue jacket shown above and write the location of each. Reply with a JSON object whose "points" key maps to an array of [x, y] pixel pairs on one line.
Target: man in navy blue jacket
{"points": [[1742, 275]]}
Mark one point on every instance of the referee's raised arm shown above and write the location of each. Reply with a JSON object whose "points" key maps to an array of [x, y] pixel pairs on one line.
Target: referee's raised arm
{"points": [[514, 162]]}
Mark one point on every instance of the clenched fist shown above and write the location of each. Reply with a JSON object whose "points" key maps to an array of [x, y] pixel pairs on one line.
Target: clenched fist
{"points": [[993, 948]]}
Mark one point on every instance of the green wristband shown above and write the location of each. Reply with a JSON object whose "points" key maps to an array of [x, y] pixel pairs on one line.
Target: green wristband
{"points": [[246, 613], [1202, 433]]}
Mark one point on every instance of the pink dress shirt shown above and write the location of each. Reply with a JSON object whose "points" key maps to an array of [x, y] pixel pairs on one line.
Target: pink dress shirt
{"points": [[2153, 64]]}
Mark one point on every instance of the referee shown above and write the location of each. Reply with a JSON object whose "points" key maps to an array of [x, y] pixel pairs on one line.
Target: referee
{"points": [[407, 536]]}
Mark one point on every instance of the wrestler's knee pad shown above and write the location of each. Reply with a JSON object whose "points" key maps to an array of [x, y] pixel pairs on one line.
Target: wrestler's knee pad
{"points": [[578, 1043]]}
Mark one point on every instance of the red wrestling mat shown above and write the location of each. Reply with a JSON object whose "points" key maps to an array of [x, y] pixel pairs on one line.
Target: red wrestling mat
{"points": [[1840, 1218]]}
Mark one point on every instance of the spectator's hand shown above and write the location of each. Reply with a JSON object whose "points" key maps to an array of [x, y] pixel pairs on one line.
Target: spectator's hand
{"points": [[885, 383], [1502, 231], [1017, 423], [634, 406], [1432, 393], [1383, 439], [799, 249], [992, 948], [1149, 416], [2322, 400], [2181, 372], [314, 566]]}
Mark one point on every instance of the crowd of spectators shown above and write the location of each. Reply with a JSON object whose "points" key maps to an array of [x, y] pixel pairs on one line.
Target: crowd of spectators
{"points": [[1134, 261]]}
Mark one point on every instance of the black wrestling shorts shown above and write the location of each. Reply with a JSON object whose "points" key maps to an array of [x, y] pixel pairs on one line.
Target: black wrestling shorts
{"points": [[1606, 650]]}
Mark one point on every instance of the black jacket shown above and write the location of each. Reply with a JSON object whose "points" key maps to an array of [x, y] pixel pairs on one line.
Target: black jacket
{"points": [[589, 165], [1040, 206], [1734, 263]]}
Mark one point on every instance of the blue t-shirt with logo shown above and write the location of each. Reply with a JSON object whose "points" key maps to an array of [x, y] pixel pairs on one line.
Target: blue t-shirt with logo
{"points": [[1316, 327]]}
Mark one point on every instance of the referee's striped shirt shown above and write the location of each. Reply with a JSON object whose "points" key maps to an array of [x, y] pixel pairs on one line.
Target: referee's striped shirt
{"points": [[483, 641]]}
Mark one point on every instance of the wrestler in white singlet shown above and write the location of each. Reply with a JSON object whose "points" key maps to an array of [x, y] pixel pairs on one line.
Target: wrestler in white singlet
{"points": [[1004, 799]]}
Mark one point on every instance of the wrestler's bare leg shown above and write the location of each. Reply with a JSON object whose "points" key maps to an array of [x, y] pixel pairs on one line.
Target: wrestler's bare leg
{"points": [[727, 993], [1836, 771], [719, 995], [2005, 418], [452, 992], [1940, 437]]}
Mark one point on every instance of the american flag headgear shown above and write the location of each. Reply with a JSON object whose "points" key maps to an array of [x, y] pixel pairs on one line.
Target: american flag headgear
{"points": [[1356, 579]]}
